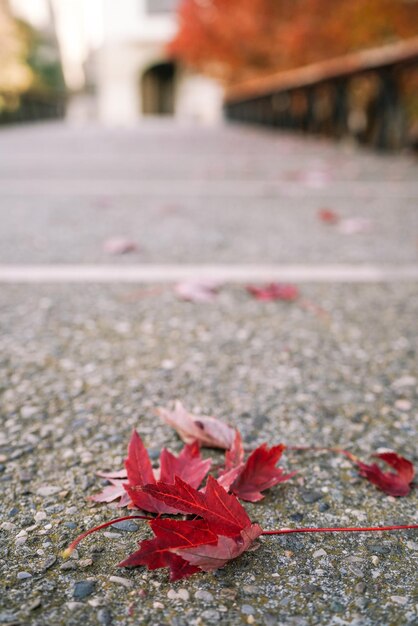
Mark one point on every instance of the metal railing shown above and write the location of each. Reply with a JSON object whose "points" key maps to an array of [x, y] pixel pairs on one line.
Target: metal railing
{"points": [[31, 107], [365, 94]]}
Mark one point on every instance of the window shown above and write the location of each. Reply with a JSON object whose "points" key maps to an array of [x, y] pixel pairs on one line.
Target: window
{"points": [[155, 7]]}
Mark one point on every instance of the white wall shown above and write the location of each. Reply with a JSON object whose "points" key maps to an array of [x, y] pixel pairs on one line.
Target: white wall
{"points": [[133, 23], [133, 41], [199, 98], [36, 12]]}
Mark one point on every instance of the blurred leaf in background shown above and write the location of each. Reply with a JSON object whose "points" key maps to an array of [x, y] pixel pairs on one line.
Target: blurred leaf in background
{"points": [[16, 77], [238, 39], [31, 77]]}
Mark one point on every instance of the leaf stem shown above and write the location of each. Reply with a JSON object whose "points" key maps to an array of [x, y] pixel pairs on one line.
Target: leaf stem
{"points": [[288, 531], [66, 553]]}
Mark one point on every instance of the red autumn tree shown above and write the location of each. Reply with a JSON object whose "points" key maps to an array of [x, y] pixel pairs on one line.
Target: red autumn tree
{"points": [[236, 39]]}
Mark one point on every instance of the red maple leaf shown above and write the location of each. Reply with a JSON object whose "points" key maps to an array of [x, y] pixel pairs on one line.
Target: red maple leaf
{"points": [[171, 535], [188, 546], [222, 511], [259, 472], [211, 557], [328, 216], [189, 465], [396, 483], [235, 455], [274, 291]]}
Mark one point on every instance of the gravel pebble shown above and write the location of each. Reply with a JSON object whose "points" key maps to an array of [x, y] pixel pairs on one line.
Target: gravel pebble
{"points": [[211, 615], [203, 595], [83, 589], [104, 617], [119, 580], [47, 490]]}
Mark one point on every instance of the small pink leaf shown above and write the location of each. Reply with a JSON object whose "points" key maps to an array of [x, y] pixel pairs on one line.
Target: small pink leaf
{"points": [[208, 431], [112, 492], [119, 245], [197, 291], [355, 225]]}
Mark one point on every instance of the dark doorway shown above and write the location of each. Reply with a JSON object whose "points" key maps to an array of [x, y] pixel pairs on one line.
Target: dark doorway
{"points": [[158, 84]]}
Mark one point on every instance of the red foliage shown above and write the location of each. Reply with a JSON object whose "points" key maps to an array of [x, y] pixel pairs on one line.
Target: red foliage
{"points": [[235, 39], [171, 535], [188, 546], [221, 510], [260, 473], [274, 291], [396, 483], [248, 479], [328, 216], [222, 529], [189, 466]]}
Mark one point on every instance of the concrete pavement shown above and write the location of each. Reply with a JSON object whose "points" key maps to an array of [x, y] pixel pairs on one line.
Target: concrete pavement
{"points": [[82, 364]]}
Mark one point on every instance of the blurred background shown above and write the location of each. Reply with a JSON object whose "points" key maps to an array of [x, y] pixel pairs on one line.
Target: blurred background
{"points": [[116, 62]]}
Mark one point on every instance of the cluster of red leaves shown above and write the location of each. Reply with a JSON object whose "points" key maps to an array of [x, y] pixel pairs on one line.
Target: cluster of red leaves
{"points": [[220, 529], [238, 39], [222, 532], [127, 484], [274, 291], [208, 291], [246, 479]]}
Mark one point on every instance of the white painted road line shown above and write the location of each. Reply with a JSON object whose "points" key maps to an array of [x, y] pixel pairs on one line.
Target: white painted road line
{"points": [[14, 274], [192, 187]]}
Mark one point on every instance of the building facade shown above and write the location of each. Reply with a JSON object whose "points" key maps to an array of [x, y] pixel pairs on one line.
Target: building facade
{"points": [[135, 78]]}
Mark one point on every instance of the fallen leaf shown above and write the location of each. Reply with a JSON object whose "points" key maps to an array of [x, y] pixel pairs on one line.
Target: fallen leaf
{"points": [[235, 455], [212, 557], [188, 465], [355, 225], [259, 472], [197, 291], [234, 463], [397, 483], [328, 216], [112, 492], [188, 546], [208, 431], [119, 245], [221, 510], [171, 535], [274, 291]]}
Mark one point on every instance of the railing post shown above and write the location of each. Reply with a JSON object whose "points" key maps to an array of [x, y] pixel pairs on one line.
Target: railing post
{"points": [[391, 116], [340, 120]]}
